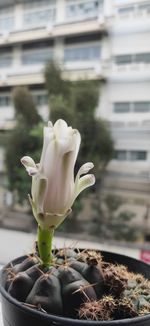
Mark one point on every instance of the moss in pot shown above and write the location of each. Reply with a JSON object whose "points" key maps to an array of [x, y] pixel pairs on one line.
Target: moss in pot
{"points": [[69, 286]]}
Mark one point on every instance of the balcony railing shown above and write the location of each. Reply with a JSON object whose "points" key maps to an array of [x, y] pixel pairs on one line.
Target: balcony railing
{"points": [[131, 72], [133, 15], [33, 74]]}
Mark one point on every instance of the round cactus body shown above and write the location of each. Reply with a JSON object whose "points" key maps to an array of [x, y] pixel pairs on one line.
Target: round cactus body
{"points": [[60, 289], [79, 284]]}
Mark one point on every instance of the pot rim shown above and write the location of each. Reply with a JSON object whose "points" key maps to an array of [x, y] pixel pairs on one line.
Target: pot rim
{"points": [[71, 321]]}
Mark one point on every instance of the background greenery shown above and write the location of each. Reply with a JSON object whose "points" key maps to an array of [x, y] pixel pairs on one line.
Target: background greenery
{"points": [[75, 102]]}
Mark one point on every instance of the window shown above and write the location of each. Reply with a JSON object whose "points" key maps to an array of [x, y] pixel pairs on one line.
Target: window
{"points": [[141, 106], [123, 59], [123, 155], [6, 19], [144, 7], [138, 156], [126, 10], [84, 9], [79, 53], [6, 24], [5, 58], [132, 58], [125, 107], [41, 12], [37, 56], [121, 107], [142, 57], [40, 99], [120, 155], [4, 101]]}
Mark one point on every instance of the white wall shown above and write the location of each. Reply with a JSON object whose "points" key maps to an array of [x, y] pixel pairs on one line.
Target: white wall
{"points": [[122, 92], [130, 43]]}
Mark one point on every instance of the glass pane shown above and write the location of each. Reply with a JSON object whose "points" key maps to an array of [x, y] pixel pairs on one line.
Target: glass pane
{"points": [[38, 56], [121, 107], [120, 155], [141, 106], [39, 13], [126, 10], [123, 59], [138, 155], [144, 7], [4, 101], [40, 99], [30, 5], [5, 61], [142, 57], [84, 9], [82, 53], [6, 24], [40, 17]]}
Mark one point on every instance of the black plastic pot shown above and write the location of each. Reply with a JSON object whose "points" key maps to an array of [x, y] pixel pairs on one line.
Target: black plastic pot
{"points": [[16, 314]]}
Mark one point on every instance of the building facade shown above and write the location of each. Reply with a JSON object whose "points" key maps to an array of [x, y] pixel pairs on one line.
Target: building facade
{"points": [[90, 39], [125, 102], [73, 33]]}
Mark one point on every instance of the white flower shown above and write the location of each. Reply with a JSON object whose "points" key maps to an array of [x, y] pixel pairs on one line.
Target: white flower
{"points": [[54, 189]]}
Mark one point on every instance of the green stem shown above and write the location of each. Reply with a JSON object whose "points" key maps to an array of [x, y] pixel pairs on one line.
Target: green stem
{"points": [[45, 237]]}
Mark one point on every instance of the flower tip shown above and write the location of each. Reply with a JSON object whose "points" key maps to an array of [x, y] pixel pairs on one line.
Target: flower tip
{"points": [[50, 124], [85, 168], [29, 164], [92, 178], [90, 166], [27, 161]]}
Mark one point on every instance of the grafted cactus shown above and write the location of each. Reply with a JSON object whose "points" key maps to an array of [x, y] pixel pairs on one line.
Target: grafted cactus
{"points": [[68, 282], [73, 278], [79, 284]]}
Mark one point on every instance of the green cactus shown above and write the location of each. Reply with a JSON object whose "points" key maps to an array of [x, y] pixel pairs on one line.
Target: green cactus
{"points": [[79, 284]]}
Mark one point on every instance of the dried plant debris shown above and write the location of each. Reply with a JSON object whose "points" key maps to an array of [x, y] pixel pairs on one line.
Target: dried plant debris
{"points": [[98, 310], [115, 279], [79, 284]]}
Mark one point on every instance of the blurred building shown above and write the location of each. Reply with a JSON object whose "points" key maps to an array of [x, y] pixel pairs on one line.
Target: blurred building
{"points": [[74, 33], [90, 39], [125, 102]]}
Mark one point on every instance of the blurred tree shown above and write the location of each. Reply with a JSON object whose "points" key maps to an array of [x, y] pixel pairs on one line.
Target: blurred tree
{"points": [[24, 139], [76, 102], [111, 222], [25, 107]]}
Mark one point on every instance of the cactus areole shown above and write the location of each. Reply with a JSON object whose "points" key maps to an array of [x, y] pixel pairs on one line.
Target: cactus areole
{"points": [[69, 286]]}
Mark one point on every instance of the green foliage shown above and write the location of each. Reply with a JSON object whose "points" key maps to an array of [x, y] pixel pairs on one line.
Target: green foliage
{"points": [[24, 139], [24, 106], [60, 108], [54, 83], [111, 222]]}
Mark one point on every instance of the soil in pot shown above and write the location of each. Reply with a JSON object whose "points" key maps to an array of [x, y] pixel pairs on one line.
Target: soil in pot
{"points": [[81, 285]]}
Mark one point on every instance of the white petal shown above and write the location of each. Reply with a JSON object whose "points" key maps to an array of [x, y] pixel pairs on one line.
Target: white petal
{"points": [[63, 136], [38, 191], [32, 171], [50, 124], [47, 139], [60, 128], [83, 183], [30, 165], [85, 168], [27, 161], [76, 140]]}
